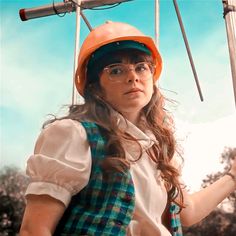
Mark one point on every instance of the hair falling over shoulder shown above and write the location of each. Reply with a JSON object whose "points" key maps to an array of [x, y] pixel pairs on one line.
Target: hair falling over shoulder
{"points": [[157, 120], [161, 124]]}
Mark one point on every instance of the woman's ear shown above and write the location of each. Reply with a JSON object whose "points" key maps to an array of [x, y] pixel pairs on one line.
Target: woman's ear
{"points": [[154, 87], [77, 81]]}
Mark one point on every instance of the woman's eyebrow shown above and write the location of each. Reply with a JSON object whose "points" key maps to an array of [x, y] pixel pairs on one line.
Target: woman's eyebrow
{"points": [[113, 61]]}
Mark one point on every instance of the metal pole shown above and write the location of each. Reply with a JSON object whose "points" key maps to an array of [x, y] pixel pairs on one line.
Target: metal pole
{"points": [[230, 22], [66, 6], [157, 23], [76, 53], [188, 49], [46, 10]]}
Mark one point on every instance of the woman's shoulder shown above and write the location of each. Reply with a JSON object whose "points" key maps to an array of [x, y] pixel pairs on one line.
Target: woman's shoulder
{"points": [[63, 123], [61, 133], [64, 127]]}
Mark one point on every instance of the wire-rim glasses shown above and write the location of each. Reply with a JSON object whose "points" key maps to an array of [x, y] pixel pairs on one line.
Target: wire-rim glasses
{"points": [[118, 72]]}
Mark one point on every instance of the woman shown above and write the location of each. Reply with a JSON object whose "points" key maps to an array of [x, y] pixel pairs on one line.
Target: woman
{"points": [[108, 168]]}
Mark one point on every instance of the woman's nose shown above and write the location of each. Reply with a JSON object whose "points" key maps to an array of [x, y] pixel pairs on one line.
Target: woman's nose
{"points": [[132, 76]]}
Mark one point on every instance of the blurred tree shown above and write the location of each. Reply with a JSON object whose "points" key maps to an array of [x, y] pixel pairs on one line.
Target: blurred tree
{"points": [[219, 222], [12, 187], [226, 159]]}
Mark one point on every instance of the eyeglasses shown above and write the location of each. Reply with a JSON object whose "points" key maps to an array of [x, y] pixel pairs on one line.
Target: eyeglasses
{"points": [[119, 72]]}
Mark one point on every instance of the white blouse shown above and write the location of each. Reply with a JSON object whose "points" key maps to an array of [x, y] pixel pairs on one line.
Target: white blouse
{"points": [[62, 153]]}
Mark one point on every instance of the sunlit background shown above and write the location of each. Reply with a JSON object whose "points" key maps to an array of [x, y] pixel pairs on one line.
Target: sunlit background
{"points": [[37, 69]]}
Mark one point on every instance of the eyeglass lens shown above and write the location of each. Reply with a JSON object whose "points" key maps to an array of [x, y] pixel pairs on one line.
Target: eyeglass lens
{"points": [[120, 71]]}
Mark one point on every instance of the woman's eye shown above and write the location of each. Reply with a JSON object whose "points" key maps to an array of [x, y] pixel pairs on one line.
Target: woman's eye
{"points": [[141, 67], [116, 71]]}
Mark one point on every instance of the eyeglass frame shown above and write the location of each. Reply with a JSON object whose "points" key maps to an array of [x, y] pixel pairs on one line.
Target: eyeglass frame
{"points": [[150, 65]]}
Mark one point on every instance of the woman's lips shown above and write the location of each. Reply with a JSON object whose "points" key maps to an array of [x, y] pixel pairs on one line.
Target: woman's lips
{"points": [[135, 90]]}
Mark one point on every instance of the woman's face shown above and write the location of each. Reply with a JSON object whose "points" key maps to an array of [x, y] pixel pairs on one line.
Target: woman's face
{"points": [[127, 85]]}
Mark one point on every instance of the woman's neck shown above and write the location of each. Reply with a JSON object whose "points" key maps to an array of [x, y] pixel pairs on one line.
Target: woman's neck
{"points": [[132, 117]]}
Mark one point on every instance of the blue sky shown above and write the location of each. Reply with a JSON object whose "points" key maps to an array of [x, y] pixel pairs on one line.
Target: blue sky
{"points": [[37, 68]]}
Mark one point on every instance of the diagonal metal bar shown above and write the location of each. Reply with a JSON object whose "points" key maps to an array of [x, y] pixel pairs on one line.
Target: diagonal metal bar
{"points": [[86, 21], [188, 49]]}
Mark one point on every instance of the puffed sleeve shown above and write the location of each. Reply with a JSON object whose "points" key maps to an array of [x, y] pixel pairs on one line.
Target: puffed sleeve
{"points": [[61, 164]]}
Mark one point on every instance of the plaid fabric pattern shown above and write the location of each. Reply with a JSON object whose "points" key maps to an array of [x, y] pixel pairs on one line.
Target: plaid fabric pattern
{"points": [[175, 224], [105, 206]]}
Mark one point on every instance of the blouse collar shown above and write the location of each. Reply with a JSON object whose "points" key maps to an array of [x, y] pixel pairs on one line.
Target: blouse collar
{"points": [[145, 138]]}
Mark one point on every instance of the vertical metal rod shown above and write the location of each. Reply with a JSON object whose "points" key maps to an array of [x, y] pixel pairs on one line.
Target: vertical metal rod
{"points": [[157, 24], [76, 52], [230, 23], [188, 49]]}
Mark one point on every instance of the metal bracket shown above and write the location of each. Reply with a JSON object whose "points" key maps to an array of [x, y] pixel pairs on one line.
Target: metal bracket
{"points": [[228, 8]]}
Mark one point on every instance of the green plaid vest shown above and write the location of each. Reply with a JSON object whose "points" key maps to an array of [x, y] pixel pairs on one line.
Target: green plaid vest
{"points": [[105, 206], [174, 221]]}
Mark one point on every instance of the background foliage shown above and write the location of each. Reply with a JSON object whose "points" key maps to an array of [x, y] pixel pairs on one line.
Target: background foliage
{"points": [[12, 187], [222, 221]]}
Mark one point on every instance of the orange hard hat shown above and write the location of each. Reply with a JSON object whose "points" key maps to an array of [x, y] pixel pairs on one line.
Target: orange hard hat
{"points": [[108, 33]]}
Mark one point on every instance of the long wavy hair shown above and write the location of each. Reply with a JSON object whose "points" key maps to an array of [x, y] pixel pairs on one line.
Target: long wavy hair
{"points": [[156, 119]]}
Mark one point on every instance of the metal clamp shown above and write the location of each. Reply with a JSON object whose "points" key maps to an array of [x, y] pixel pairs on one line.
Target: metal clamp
{"points": [[228, 8]]}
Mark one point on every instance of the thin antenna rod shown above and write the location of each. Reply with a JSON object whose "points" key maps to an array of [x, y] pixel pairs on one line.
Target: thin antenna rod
{"points": [[188, 49], [157, 24], [76, 53]]}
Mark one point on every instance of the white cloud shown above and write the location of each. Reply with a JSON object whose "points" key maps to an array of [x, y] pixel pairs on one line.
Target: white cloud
{"points": [[203, 145]]}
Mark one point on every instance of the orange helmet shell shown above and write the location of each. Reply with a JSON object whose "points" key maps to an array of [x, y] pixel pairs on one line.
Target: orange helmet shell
{"points": [[108, 33]]}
